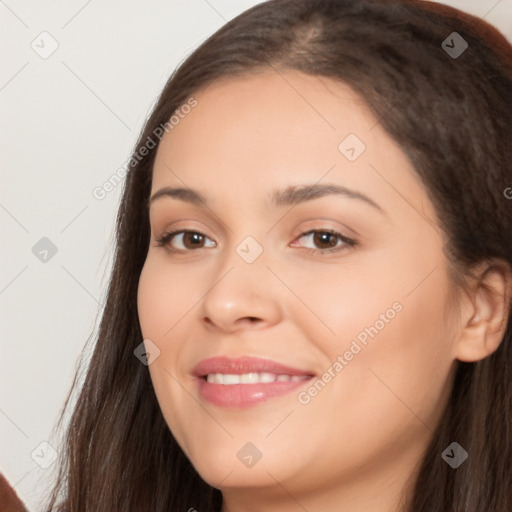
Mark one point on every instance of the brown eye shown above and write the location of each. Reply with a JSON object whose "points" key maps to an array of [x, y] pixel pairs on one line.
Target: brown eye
{"points": [[192, 240], [325, 241], [184, 240]]}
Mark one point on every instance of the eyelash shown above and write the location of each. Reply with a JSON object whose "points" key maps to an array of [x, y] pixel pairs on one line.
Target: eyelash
{"points": [[166, 238]]}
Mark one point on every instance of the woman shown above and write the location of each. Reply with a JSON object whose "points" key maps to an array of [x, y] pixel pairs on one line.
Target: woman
{"points": [[310, 302]]}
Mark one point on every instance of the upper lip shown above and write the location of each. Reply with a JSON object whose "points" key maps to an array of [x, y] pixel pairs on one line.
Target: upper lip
{"points": [[242, 365]]}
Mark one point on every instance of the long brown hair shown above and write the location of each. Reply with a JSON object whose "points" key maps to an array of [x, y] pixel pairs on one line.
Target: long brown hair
{"points": [[451, 115]]}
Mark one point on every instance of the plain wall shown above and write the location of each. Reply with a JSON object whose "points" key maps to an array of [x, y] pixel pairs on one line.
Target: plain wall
{"points": [[68, 122]]}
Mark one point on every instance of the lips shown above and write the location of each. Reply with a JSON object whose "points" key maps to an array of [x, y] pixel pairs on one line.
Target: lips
{"points": [[246, 381]]}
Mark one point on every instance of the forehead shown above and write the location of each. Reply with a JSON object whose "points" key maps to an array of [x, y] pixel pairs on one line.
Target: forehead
{"points": [[266, 114], [267, 130]]}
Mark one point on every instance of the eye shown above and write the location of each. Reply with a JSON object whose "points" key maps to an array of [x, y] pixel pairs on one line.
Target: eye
{"points": [[186, 240], [327, 241]]}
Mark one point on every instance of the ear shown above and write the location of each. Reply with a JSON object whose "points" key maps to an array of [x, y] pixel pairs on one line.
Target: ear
{"points": [[485, 312]]}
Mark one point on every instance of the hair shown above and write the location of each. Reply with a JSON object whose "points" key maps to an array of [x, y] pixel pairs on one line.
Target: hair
{"points": [[451, 116]]}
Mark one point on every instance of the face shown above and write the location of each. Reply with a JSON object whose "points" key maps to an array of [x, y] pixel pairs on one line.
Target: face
{"points": [[303, 308]]}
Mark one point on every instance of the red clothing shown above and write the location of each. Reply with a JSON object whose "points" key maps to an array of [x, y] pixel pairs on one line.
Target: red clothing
{"points": [[9, 501]]}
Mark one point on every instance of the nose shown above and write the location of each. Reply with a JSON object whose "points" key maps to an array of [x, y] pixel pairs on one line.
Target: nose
{"points": [[242, 295]]}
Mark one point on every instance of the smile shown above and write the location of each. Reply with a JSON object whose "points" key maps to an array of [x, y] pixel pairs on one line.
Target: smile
{"points": [[252, 378], [245, 381]]}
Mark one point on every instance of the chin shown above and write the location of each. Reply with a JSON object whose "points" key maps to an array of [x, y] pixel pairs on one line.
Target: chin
{"points": [[224, 469]]}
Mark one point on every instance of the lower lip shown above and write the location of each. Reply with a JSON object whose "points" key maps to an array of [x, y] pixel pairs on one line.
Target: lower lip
{"points": [[245, 395]]}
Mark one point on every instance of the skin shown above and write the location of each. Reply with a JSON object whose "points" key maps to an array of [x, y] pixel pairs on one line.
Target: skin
{"points": [[354, 446]]}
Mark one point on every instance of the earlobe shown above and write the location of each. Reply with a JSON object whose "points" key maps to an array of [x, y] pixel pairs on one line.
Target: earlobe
{"points": [[485, 317]]}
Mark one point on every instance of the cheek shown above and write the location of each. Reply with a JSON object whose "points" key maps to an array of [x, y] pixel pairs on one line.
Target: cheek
{"points": [[390, 389], [163, 298], [166, 298], [394, 333], [396, 355]]}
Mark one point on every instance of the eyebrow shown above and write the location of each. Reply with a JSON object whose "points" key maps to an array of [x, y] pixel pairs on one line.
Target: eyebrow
{"points": [[290, 196]]}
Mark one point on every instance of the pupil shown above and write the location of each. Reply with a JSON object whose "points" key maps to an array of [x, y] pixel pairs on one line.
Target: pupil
{"points": [[323, 238], [196, 237]]}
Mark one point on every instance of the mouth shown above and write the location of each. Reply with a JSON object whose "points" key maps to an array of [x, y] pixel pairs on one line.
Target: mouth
{"points": [[230, 379], [246, 381]]}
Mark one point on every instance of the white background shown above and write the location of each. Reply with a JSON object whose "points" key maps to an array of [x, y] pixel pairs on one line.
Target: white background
{"points": [[68, 122]]}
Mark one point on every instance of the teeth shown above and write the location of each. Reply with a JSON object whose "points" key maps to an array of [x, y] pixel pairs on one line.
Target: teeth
{"points": [[267, 377], [251, 378], [248, 378], [230, 379]]}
